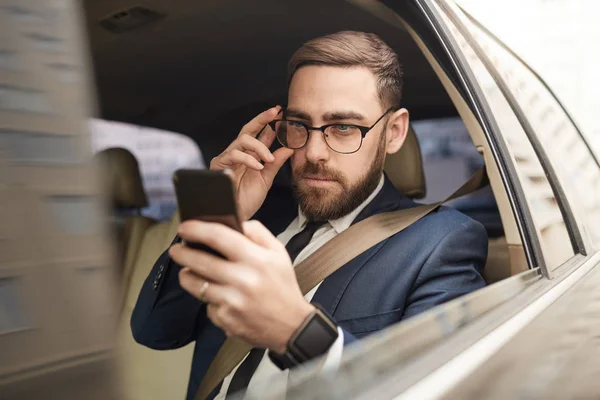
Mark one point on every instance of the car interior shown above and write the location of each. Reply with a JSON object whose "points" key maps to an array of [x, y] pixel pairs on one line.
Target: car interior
{"points": [[204, 69]]}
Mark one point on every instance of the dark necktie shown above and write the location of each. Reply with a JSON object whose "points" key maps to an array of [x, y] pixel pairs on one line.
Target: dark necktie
{"points": [[299, 241], [244, 373]]}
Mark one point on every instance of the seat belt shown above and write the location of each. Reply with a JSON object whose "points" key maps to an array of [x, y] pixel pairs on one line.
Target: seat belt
{"points": [[337, 252]]}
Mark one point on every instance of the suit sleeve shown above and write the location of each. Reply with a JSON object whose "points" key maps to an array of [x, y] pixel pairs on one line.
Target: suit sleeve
{"points": [[166, 316], [453, 269]]}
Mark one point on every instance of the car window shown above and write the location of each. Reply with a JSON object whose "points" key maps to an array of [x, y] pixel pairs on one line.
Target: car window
{"points": [[449, 159], [159, 153], [574, 164], [549, 224]]}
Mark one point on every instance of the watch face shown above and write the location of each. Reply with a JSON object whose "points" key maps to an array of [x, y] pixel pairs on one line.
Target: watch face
{"points": [[316, 338]]}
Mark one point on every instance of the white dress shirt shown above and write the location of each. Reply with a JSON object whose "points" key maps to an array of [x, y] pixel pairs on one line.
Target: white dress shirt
{"points": [[267, 371]]}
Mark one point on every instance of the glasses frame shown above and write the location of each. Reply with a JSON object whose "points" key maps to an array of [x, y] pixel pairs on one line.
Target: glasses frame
{"points": [[363, 131]]}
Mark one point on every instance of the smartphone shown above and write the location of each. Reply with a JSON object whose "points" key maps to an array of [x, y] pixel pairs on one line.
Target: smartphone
{"points": [[207, 196]]}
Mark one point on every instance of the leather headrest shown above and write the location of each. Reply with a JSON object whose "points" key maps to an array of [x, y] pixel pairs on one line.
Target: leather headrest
{"points": [[405, 168], [121, 178]]}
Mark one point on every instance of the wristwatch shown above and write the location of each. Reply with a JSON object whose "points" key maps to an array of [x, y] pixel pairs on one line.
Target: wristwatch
{"points": [[312, 339]]}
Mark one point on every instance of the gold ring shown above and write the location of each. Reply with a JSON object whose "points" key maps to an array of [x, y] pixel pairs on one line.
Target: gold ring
{"points": [[203, 290]]}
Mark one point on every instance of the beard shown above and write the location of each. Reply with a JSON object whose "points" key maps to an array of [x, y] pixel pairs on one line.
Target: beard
{"points": [[324, 204]]}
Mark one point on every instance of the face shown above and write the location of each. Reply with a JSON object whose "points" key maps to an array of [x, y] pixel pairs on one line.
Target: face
{"points": [[329, 185]]}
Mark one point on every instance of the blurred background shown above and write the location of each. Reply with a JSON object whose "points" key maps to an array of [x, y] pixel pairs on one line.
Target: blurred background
{"points": [[559, 39]]}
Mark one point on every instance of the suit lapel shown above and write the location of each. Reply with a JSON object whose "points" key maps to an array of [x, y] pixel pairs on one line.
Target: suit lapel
{"points": [[332, 288]]}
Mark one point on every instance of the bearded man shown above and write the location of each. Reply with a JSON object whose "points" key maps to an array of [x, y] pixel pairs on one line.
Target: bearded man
{"points": [[342, 117]]}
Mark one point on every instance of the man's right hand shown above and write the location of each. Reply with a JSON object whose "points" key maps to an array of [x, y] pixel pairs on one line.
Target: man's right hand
{"points": [[253, 179]]}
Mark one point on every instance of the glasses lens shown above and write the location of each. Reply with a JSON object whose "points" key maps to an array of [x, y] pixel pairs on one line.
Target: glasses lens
{"points": [[291, 134], [343, 138]]}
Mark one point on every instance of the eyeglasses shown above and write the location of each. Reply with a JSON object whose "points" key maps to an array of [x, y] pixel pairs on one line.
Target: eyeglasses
{"points": [[341, 138]]}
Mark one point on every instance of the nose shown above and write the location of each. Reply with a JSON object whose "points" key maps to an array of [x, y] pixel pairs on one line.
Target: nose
{"points": [[317, 150]]}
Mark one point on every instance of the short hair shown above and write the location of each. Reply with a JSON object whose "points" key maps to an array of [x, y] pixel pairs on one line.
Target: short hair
{"points": [[355, 49]]}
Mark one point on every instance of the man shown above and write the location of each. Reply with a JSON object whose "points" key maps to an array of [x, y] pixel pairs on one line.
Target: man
{"points": [[342, 118]]}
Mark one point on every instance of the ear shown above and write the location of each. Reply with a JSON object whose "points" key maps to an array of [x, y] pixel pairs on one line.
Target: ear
{"points": [[397, 128]]}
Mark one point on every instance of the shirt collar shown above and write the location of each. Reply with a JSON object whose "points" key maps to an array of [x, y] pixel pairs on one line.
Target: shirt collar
{"points": [[341, 224]]}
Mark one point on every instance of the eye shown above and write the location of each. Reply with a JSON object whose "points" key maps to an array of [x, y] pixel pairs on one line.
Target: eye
{"points": [[343, 130], [296, 124]]}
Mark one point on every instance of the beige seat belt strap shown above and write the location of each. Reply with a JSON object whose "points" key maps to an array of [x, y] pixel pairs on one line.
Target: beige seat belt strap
{"points": [[340, 250]]}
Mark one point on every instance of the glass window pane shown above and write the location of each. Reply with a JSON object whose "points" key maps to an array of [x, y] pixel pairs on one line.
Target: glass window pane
{"points": [[449, 159], [549, 224], [46, 42], [64, 72], [74, 215], [22, 14], [575, 166], [8, 60], [12, 315], [39, 148], [17, 99]]}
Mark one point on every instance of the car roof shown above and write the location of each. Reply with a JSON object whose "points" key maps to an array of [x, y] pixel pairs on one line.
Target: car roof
{"points": [[207, 67]]}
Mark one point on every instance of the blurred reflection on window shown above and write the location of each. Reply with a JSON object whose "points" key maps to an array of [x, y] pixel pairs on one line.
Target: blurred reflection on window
{"points": [[27, 100], [159, 153], [12, 314], [23, 148], [65, 73], [8, 60], [547, 217], [572, 161], [73, 215], [449, 159]]}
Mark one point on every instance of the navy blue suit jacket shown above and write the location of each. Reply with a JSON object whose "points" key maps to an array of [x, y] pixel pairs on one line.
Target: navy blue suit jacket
{"points": [[434, 260]]}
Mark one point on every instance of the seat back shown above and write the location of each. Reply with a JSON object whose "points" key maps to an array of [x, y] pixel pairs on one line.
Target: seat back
{"points": [[405, 168], [497, 266], [121, 178], [146, 373], [122, 183]]}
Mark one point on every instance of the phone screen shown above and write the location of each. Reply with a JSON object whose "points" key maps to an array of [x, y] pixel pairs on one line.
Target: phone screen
{"points": [[207, 196]]}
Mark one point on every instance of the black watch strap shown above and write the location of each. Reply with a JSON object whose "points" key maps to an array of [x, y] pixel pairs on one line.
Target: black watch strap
{"points": [[313, 338], [284, 361]]}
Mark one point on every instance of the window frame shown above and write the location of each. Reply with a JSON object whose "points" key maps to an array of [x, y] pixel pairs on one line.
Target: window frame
{"points": [[468, 86], [444, 48], [577, 240], [588, 244]]}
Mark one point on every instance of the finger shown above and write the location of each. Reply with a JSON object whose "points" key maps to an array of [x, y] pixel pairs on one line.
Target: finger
{"points": [[206, 266], [191, 282], [230, 243], [213, 315], [214, 293], [267, 136], [235, 157], [254, 127], [222, 316], [217, 317], [249, 143], [260, 235], [281, 156], [253, 154]]}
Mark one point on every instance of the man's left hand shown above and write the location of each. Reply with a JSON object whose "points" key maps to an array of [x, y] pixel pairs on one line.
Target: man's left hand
{"points": [[253, 293]]}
